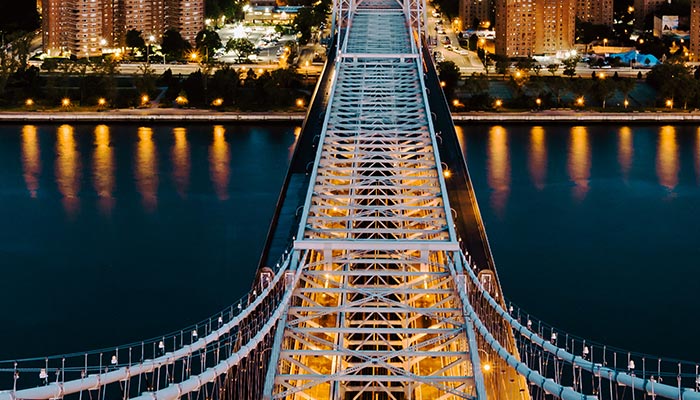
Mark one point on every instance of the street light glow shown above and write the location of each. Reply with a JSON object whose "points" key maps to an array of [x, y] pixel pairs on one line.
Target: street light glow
{"points": [[65, 102], [217, 102], [101, 101], [29, 102], [144, 99], [498, 102], [669, 103], [442, 83], [579, 101], [300, 102], [538, 101], [181, 100], [487, 367]]}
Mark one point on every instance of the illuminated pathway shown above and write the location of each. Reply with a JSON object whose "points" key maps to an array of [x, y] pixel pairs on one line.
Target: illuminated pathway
{"points": [[386, 289]]}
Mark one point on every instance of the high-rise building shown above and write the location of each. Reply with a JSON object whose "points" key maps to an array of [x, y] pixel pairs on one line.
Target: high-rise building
{"points": [[599, 12], [534, 27], [87, 27], [185, 16], [642, 10], [146, 16], [694, 30], [72, 27], [475, 12]]}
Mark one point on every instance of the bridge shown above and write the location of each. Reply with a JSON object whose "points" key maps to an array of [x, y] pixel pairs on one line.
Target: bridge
{"points": [[377, 281]]}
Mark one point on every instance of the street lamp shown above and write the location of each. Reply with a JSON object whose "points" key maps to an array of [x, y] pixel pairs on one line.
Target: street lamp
{"points": [[65, 102], [626, 103], [669, 103], [579, 101], [29, 102], [538, 101], [498, 103], [151, 40], [101, 102]]}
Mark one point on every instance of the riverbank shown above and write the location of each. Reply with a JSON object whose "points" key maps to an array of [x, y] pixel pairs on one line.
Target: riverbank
{"points": [[150, 115], [208, 116]]}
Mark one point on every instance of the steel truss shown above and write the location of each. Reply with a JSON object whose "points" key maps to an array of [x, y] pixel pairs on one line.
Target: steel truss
{"points": [[375, 312]]}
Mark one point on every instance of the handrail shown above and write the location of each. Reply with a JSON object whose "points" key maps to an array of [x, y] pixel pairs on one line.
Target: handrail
{"points": [[650, 386]]}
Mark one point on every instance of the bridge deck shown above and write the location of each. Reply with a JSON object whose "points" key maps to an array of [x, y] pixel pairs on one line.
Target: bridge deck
{"points": [[375, 310]]}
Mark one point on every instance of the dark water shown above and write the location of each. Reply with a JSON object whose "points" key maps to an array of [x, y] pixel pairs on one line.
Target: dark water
{"points": [[597, 229], [113, 234]]}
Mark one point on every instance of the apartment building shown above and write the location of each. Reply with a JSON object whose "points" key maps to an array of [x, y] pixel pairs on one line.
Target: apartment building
{"points": [[525, 28], [599, 12], [85, 28], [642, 10], [476, 11], [694, 30], [185, 16]]}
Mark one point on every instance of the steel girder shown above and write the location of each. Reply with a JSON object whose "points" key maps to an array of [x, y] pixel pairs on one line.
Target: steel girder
{"points": [[376, 310]]}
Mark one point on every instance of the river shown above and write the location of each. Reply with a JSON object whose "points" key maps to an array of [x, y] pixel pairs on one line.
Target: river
{"points": [[109, 234]]}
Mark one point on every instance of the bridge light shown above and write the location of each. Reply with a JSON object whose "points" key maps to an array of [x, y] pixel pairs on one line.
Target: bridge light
{"points": [[554, 338], [114, 360], [442, 84], [586, 351], [487, 367], [529, 324], [630, 366], [43, 374], [161, 345], [447, 173], [194, 334]]}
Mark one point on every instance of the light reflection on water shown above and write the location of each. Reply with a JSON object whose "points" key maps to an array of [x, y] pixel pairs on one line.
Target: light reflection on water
{"points": [[579, 165], [31, 162], [181, 161], [667, 166], [219, 160], [499, 167], [146, 169], [625, 150], [103, 173], [538, 157], [68, 169]]}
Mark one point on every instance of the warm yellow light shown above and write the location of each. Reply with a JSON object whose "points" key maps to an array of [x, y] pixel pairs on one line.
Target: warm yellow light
{"points": [[65, 102], [487, 367], [260, 70], [217, 102], [455, 102], [538, 101], [518, 74], [626, 102], [442, 83], [579, 101], [144, 99], [641, 41], [29, 102], [300, 103], [499, 102], [601, 75], [181, 100], [101, 101], [669, 103], [605, 41], [447, 173], [193, 56], [307, 63]]}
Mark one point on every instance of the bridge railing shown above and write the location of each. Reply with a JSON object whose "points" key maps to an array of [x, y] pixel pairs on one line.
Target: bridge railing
{"points": [[587, 368], [128, 370]]}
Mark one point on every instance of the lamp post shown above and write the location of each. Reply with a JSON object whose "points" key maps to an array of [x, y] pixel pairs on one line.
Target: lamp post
{"points": [[151, 40]]}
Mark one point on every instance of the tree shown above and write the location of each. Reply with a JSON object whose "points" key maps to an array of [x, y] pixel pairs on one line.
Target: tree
{"points": [[49, 64], [106, 71], [242, 47], [625, 86], [21, 46], [553, 68], [173, 44], [449, 74], [557, 85], [601, 89], [207, 42], [8, 66], [502, 65], [134, 40], [570, 66], [669, 79], [145, 80]]}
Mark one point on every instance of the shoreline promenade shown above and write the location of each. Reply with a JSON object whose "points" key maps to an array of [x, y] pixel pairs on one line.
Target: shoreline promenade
{"points": [[208, 116]]}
